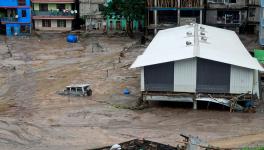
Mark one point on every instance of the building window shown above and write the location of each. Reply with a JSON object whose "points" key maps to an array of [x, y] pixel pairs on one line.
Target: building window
{"points": [[21, 2], [228, 17], [25, 29], [101, 7], [43, 7], [251, 12], [46, 23], [24, 13], [60, 7], [61, 23]]}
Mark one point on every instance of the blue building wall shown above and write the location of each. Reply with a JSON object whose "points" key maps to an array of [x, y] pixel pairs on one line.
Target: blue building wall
{"points": [[14, 27], [10, 3], [26, 19]]}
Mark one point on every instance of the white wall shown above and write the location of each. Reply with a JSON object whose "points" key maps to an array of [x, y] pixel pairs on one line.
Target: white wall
{"points": [[185, 75], [142, 80], [256, 83], [241, 80], [38, 25]]}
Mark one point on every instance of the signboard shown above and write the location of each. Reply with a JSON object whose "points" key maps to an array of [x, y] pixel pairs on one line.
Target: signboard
{"points": [[259, 54], [187, 20]]}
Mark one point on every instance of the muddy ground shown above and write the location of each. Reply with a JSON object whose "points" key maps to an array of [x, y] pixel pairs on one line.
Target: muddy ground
{"points": [[33, 116]]}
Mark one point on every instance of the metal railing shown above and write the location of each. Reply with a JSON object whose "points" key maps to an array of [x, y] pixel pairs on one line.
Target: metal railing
{"points": [[52, 13], [9, 19]]}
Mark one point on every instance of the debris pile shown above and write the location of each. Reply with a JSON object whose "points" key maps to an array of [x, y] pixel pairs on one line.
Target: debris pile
{"points": [[142, 145]]}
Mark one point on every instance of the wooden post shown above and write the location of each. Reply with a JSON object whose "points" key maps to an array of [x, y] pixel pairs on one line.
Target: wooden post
{"points": [[107, 73]]}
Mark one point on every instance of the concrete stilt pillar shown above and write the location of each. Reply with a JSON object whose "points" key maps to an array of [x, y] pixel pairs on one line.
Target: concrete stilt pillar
{"points": [[194, 102], [155, 17], [178, 13], [201, 16]]}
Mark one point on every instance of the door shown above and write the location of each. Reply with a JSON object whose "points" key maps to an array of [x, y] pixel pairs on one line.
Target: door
{"points": [[43, 7], [60, 7], [212, 76], [12, 30], [159, 77]]}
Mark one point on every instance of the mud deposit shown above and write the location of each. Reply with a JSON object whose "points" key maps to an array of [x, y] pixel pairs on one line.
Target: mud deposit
{"points": [[35, 117]]}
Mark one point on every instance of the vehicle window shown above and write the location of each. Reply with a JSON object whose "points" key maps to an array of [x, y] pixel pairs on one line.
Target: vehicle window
{"points": [[73, 89], [79, 89]]}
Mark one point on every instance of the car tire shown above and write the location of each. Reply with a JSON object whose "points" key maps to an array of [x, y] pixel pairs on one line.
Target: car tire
{"points": [[89, 93]]}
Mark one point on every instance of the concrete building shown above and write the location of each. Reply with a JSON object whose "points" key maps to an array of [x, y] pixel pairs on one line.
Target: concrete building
{"points": [[15, 17], [184, 62], [253, 16], [230, 14], [163, 14], [53, 14], [90, 11], [261, 24]]}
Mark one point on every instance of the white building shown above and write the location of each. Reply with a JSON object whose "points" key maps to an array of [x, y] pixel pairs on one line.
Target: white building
{"points": [[197, 59]]}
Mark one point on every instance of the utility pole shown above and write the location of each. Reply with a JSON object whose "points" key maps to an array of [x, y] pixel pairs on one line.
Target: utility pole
{"points": [[201, 12], [178, 13]]}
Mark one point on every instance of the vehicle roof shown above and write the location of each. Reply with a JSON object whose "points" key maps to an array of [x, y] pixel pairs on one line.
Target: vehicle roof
{"points": [[77, 85]]}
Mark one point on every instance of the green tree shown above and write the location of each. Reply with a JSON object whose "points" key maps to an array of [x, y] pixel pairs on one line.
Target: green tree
{"points": [[130, 9]]}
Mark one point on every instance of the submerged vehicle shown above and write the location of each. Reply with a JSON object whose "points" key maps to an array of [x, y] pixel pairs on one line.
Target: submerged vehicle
{"points": [[77, 90]]}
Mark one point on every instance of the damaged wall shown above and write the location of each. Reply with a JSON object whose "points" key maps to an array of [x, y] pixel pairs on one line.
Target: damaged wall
{"points": [[90, 11]]}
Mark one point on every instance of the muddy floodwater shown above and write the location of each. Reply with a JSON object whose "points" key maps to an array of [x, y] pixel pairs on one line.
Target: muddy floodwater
{"points": [[34, 117]]}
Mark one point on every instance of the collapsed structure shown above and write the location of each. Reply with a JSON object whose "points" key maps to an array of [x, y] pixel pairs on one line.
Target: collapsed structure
{"points": [[90, 10], [184, 62]]}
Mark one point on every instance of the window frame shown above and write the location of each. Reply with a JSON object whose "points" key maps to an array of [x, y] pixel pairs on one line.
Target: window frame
{"points": [[61, 23], [46, 23], [23, 13]]}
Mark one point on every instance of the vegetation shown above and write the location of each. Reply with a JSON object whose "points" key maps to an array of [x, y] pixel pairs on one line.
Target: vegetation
{"points": [[256, 148], [129, 9]]}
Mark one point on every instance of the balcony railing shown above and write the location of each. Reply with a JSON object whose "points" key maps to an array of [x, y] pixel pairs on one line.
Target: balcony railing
{"points": [[9, 19], [53, 13], [175, 4]]}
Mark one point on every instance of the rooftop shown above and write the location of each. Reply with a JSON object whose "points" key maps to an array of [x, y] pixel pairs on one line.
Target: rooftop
{"points": [[197, 40]]}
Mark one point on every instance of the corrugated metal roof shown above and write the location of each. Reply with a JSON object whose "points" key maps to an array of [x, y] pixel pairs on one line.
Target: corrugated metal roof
{"points": [[222, 45]]}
